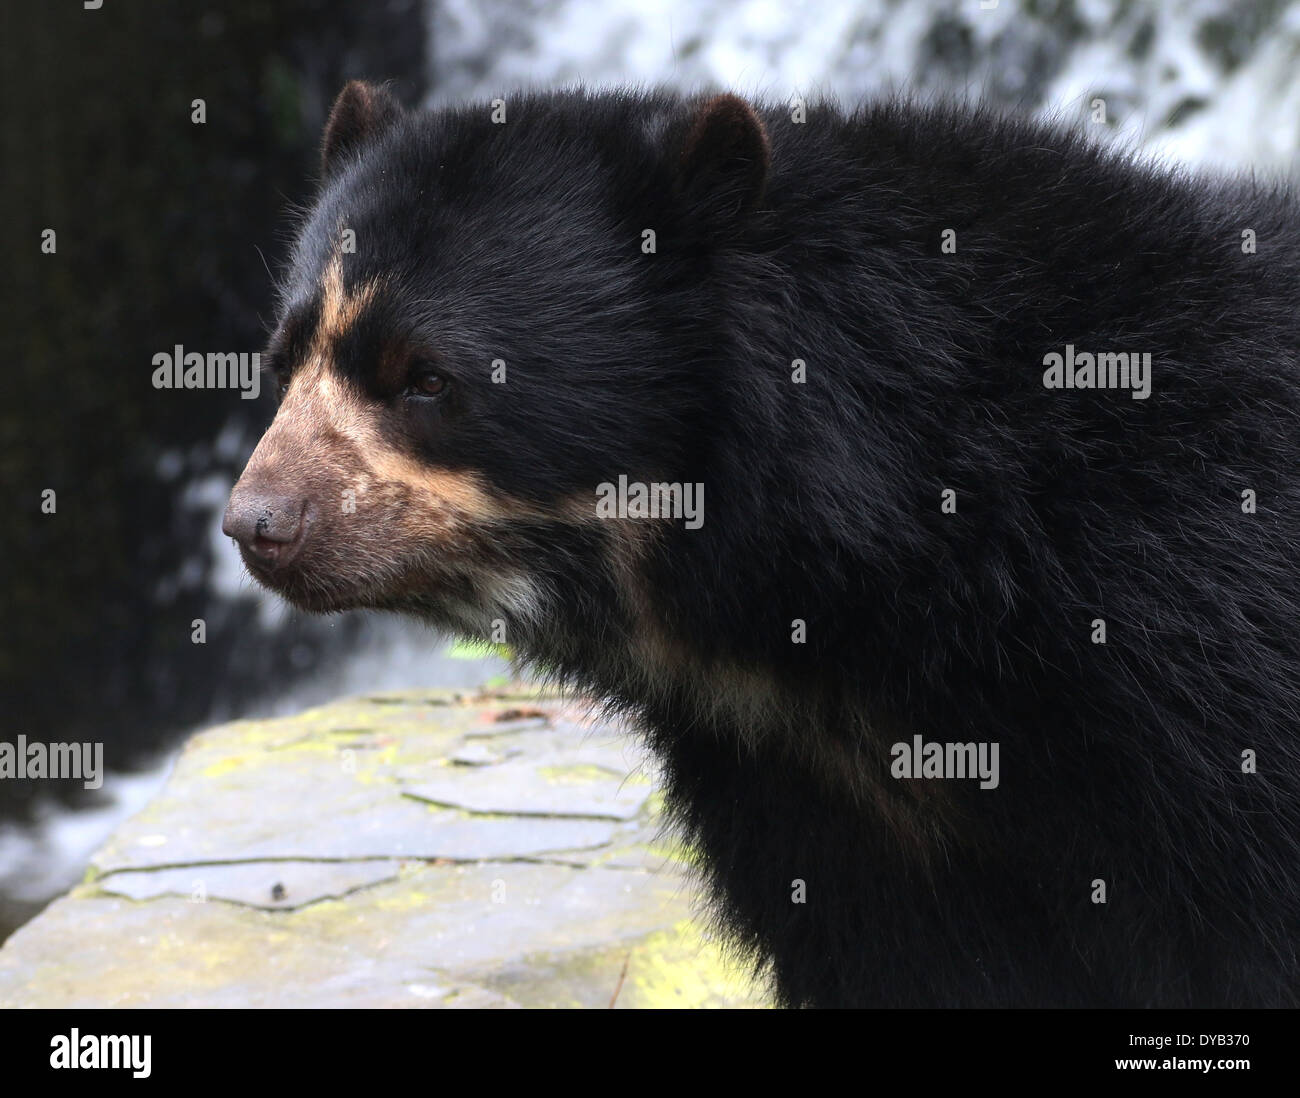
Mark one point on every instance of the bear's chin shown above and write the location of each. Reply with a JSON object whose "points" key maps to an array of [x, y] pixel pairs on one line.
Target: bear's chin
{"points": [[317, 599], [315, 594], [308, 591]]}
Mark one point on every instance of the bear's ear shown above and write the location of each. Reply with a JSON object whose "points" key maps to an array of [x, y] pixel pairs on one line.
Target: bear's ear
{"points": [[360, 113], [724, 159]]}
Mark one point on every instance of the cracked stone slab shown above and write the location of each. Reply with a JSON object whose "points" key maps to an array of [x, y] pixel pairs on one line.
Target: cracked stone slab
{"points": [[286, 864], [618, 753], [266, 885], [453, 936], [554, 784], [258, 780], [388, 829], [480, 754]]}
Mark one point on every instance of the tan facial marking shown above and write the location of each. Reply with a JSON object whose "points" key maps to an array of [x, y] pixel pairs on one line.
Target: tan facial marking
{"points": [[339, 309], [329, 438], [323, 416], [319, 405]]}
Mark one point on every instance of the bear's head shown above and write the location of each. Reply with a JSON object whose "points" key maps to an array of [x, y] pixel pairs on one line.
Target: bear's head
{"points": [[490, 312]]}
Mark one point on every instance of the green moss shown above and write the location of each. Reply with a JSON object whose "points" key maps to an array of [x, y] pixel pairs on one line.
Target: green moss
{"points": [[578, 774]]}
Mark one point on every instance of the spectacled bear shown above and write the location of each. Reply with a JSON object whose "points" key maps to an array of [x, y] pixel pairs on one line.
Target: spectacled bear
{"points": [[925, 482]]}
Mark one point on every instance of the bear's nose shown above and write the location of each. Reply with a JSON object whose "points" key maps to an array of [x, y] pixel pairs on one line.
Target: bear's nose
{"points": [[267, 526]]}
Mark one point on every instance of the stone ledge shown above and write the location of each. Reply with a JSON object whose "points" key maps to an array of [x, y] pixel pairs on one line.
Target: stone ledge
{"points": [[418, 849]]}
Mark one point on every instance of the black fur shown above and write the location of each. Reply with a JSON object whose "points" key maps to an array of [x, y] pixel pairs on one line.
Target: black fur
{"points": [[1119, 761]]}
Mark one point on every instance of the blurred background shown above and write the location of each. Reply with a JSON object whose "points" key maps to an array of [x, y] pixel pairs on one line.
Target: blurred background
{"points": [[168, 231]]}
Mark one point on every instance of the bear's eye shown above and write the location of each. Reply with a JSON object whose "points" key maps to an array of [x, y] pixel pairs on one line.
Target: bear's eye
{"points": [[274, 367], [426, 382]]}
